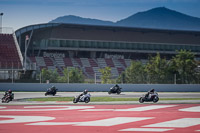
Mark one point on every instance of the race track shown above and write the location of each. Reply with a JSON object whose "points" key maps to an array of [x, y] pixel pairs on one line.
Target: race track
{"points": [[21, 95], [167, 118], [20, 116]]}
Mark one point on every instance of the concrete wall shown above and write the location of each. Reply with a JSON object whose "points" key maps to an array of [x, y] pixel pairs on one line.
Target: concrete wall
{"points": [[101, 87]]}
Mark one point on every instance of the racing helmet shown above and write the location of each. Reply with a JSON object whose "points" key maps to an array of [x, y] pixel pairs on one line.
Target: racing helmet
{"points": [[85, 91], [152, 90], [53, 87], [9, 91]]}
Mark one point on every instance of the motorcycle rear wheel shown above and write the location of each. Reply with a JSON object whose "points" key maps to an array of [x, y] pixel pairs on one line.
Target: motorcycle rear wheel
{"points": [[3, 101]]}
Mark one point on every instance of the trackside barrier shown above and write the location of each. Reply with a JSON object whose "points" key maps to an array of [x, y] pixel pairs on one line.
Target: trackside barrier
{"points": [[101, 87]]}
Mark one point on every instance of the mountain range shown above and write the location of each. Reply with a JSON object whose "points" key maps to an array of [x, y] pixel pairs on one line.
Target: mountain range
{"points": [[156, 18]]}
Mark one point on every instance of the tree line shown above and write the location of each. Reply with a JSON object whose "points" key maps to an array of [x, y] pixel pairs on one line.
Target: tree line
{"points": [[73, 75], [180, 69]]}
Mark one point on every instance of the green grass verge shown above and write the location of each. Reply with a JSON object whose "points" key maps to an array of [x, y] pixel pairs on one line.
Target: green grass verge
{"points": [[102, 99]]}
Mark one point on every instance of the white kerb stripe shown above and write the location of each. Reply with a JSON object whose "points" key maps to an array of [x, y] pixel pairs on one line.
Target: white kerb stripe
{"points": [[23, 119], [49, 108], [97, 110], [113, 121], [104, 122], [52, 123], [179, 123], [191, 109], [146, 129], [146, 108]]}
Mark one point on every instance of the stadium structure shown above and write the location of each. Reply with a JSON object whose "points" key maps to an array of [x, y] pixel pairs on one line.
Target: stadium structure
{"points": [[57, 46]]}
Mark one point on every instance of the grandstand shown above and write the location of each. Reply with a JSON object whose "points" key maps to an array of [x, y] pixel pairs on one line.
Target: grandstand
{"points": [[57, 46], [89, 66], [11, 60]]}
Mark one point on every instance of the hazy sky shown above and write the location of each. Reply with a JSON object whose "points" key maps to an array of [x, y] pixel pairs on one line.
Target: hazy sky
{"points": [[20, 13]]}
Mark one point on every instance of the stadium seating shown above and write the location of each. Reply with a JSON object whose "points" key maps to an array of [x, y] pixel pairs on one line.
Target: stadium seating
{"points": [[59, 61], [48, 61], [127, 62], [122, 61], [89, 66], [76, 62], [9, 57], [89, 71], [85, 62], [120, 70], [97, 72], [114, 71], [101, 62], [68, 62], [109, 62], [60, 71], [40, 61], [93, 63]]}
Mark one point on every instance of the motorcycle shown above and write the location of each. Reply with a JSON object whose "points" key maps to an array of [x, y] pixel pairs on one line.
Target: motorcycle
{"points": [[151, 97], [7, 98], [115, 90], [82, 98], [51, 92]]}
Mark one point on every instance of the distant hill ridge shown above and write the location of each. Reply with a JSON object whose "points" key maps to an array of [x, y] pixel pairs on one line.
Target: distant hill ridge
{"points": [[156, 18]]}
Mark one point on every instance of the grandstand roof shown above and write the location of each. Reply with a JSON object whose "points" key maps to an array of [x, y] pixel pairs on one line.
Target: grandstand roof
{"points": [[110, 33]]}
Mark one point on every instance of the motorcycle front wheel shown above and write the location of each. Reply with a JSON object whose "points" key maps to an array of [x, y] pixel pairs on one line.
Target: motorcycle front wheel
{"points": [[87, 100], [118, 92], [141, 100], [74, 100], [7, 100], [155, 100]]}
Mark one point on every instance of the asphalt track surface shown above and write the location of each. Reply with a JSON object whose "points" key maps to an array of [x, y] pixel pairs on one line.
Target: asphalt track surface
{"points": [[140, 118], [20, 97], [20, 116]]}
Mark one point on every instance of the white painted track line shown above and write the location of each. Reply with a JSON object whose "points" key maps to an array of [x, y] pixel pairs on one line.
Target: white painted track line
{"points": [[191, 109], [146, 108], [104, 122], [113, 121], [146, 129], [179, 123], [97, 110], [22, 119]]}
